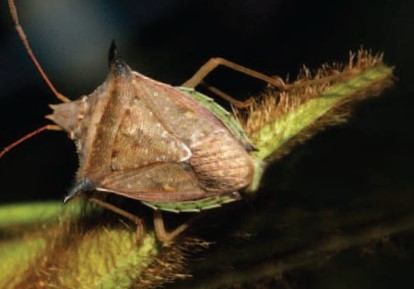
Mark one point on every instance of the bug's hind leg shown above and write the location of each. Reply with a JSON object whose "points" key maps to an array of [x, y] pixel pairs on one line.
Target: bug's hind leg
{"points": [[213, 63], [236, 103]]}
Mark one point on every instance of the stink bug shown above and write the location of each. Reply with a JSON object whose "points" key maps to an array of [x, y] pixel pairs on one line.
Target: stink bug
{"points": [[171, 148]]}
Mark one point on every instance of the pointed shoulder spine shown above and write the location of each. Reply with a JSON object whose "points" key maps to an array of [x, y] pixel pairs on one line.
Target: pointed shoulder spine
{"points": [[117, 65]]}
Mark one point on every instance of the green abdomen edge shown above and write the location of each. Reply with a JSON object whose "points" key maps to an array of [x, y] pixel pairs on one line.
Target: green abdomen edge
{"points": [[196, 205]]}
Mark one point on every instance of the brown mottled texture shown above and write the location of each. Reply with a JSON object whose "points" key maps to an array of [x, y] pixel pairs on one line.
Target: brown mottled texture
{"points": [[149, 141]]}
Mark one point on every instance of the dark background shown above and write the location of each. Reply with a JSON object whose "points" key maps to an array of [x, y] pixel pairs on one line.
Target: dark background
{"points": [[169, 40]]}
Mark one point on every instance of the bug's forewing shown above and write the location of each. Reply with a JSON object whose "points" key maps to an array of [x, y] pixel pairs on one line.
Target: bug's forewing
{"points": [[141, 140], [177, 112], [161, 182], [168, 148], [148, 161], [219, 159]]}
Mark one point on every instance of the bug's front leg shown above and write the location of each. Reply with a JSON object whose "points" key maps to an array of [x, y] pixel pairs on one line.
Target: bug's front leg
{"points": [[138, 221], [160, 182], [162, 234]]}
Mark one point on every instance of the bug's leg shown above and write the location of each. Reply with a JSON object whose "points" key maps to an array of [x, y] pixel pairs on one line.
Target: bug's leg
{"points": [[236, 103], [143, 184], [27, 136], [23, 38], [213, 63], [138, 221], [161, 232]]}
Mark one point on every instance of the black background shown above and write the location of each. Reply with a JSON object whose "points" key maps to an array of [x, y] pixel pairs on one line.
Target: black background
{"points": [[169, 40]]}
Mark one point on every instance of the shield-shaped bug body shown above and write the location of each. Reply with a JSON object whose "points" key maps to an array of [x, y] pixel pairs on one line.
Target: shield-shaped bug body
{"points": [[146, 140], [173, 149]]}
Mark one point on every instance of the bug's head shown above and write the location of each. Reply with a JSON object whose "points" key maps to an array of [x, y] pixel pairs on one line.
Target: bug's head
{"points": [[69, 115]]}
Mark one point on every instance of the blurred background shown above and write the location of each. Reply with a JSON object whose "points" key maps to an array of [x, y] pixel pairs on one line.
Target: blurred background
{"points": [[168, 40]]}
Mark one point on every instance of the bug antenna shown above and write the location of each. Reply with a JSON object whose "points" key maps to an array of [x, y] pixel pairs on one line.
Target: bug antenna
{"points": [[27, 136], [25, 41]]}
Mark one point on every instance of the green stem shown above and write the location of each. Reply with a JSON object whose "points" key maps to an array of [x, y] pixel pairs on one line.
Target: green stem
{"points": [[275, 134]]}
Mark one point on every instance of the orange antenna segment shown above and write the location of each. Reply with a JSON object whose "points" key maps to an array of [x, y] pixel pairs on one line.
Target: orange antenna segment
{"points": [[23, 37], [27, 136]]}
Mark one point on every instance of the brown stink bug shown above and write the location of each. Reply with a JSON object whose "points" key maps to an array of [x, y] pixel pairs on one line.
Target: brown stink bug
{"points": [[170, 148]]}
